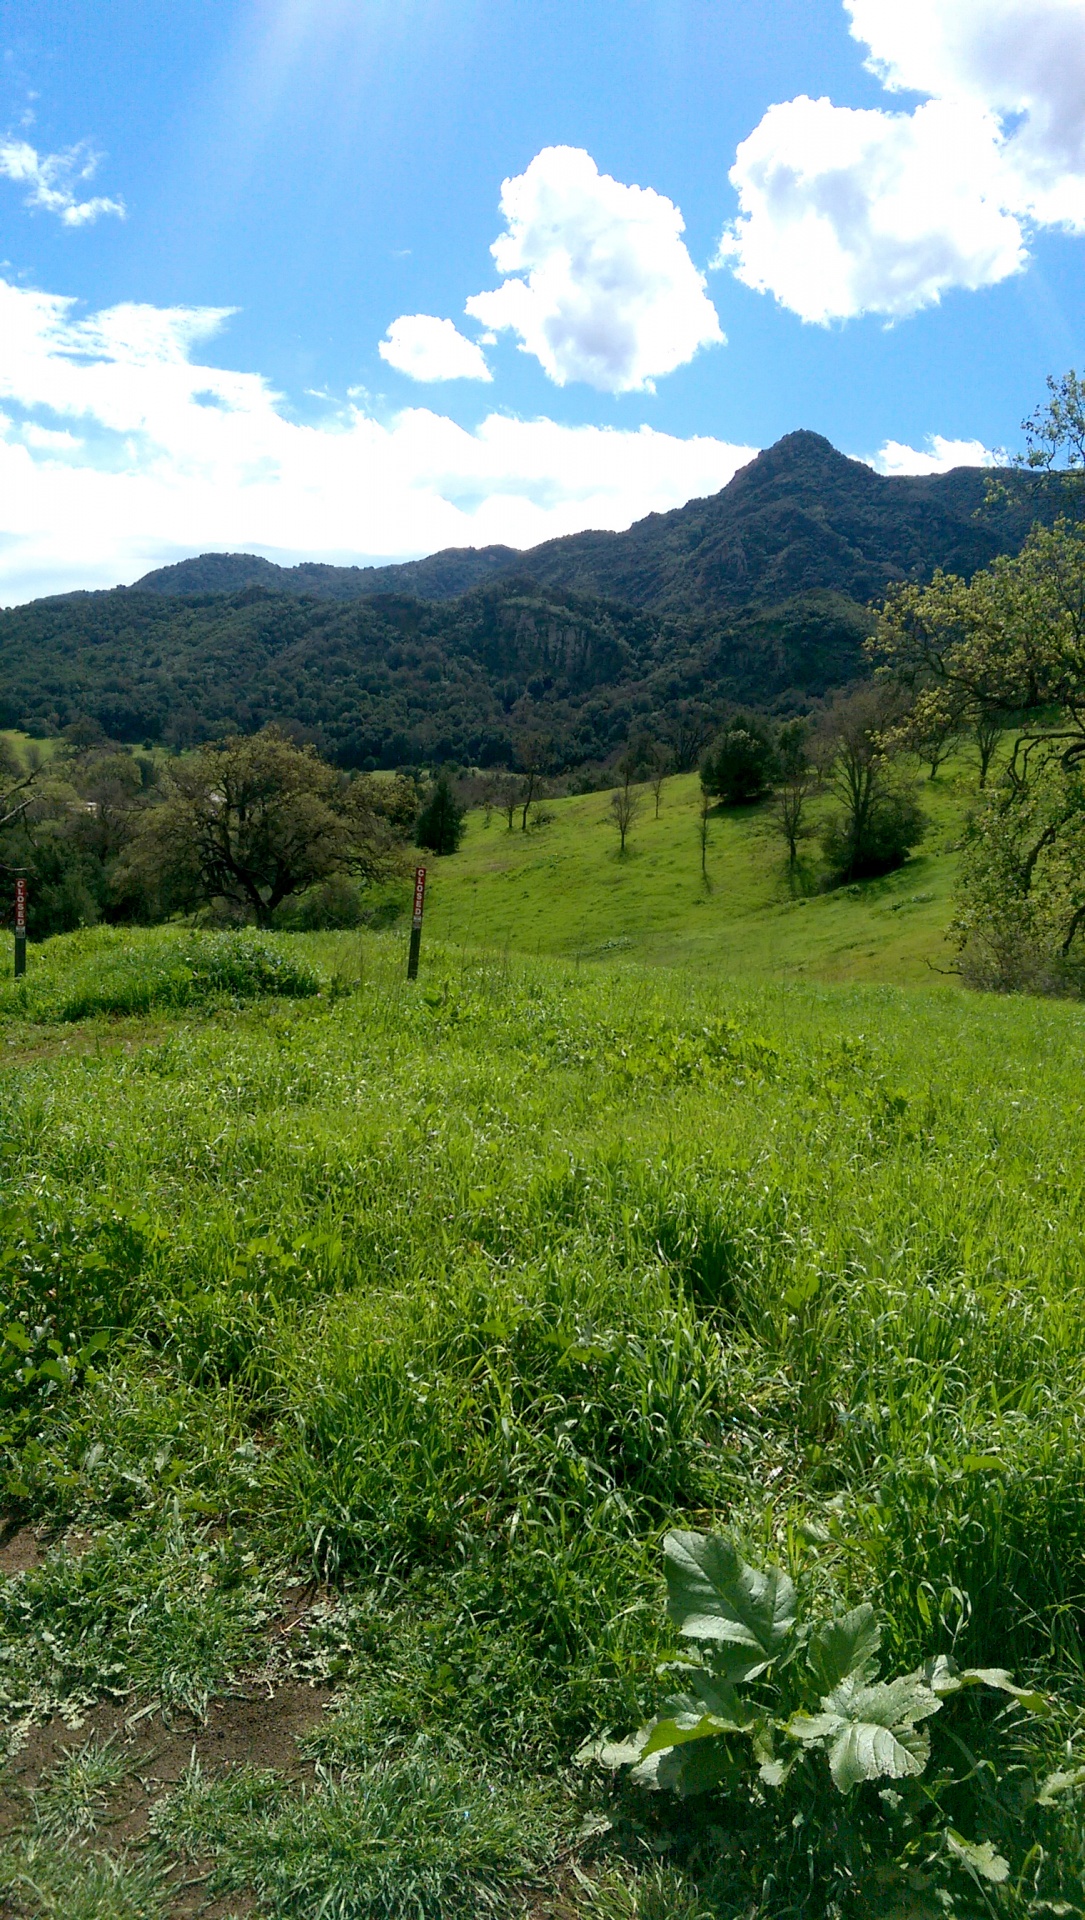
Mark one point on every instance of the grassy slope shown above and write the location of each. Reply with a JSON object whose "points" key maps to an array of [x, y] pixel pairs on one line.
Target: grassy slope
{"points": [[564, 889], [458, 1296]]}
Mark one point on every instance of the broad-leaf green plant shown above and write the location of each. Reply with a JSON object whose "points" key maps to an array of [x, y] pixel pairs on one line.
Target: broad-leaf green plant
{"points": [[778, 1704]]}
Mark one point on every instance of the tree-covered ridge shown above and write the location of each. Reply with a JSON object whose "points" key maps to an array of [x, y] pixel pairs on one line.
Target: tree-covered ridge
{"points": [[801, 517], [758, 596], [440, 576], [396, 680]]}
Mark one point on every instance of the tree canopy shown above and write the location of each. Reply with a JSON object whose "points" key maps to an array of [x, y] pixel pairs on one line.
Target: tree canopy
{"points": [[252, 822]]}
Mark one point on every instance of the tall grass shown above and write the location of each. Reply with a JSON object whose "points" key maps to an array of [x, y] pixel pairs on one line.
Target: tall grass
{"points": [[455, 1296]]}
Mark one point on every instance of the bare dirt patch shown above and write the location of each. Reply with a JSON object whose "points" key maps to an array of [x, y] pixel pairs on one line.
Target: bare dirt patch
{"points": [[21, 1550], [254, 1726]]}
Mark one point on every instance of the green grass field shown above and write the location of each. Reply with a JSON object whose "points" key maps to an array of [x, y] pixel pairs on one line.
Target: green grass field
{"points": [[363, 1340], [564, 889]]}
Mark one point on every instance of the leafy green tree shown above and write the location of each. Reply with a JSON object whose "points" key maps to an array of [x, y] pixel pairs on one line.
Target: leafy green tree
{"points": [[797, 779], [252, 822], [741, 764], [879, 821], [440, 823], [1020, 921], [1055, 442], [66, 826], [1011, 642]]}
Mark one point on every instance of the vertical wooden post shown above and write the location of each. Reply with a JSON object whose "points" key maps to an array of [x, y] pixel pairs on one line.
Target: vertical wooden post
{"points": [[20, 925], [416, 922]]}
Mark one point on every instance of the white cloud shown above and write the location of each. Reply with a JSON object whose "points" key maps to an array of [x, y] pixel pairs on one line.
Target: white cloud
{"points": [[843, 212], [940, 456], [176, 455], [1019, 58], [52, 180], [848, 211], [425, 348], [609, 295]]}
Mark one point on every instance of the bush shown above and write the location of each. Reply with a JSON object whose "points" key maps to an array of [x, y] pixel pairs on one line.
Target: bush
{"points": [[338, 903], [65, 886]]}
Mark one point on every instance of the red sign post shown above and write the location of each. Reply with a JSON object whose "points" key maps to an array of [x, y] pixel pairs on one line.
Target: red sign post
{"points": [[20, 925], [416, 922]]}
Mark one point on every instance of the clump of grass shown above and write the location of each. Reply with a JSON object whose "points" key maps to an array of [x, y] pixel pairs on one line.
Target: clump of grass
{"points": [[114, 972], [146, 1609], [73, 1798], [415, 1838], [43, 1880]]}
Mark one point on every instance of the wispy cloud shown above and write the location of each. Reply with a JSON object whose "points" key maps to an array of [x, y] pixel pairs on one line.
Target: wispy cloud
{"points": [[53, 181], [124, 446]]}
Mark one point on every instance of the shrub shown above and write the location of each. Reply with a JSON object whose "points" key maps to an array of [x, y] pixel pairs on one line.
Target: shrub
{"points": [[788, 1718], [337, 903]]}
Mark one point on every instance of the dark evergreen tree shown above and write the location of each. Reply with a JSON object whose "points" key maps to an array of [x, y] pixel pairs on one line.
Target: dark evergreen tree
{"points": [[741, 764], [440, 823]]}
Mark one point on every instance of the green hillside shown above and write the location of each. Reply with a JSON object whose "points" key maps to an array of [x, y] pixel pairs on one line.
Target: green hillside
{"points": [[564, 889]]}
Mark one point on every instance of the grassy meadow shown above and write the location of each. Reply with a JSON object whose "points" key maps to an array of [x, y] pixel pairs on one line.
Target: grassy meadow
{"points": [[565, 889], [362, 1341]]}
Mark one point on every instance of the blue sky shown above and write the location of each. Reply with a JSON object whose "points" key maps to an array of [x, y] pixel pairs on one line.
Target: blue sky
{"points": [[213, 214]]}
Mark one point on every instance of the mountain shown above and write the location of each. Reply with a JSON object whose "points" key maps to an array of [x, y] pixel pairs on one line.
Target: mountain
{"points": [[441, 576], [758, 595], [801, 517]]}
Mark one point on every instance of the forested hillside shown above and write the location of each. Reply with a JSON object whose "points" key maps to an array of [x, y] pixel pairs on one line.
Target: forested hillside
{"points": [[799, 517], [392, 680], [441, 576], [395, 680], [759, 595]]}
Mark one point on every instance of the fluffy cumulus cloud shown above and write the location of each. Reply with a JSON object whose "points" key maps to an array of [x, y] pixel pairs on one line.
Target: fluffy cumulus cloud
{"points": [[53, 182], [123, 446], [1021, 59], [939, 456], [845, 212], [599, 284], [425, 348]]}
